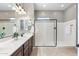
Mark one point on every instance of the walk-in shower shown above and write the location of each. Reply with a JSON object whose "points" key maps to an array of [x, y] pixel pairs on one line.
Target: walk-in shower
{"points": [[45, 32]]}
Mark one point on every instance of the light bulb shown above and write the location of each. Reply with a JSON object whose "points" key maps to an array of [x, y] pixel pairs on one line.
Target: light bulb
{"points": [[20, 7], [22, 10]]}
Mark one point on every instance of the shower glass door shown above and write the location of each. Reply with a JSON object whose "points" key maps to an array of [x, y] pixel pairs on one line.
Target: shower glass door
{"points": [[45, 32]]}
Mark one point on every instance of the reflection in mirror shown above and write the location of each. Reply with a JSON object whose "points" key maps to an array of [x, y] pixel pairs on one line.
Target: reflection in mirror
{"points": [[24, 25], [7, 18], [6, 28], [13, 19]]}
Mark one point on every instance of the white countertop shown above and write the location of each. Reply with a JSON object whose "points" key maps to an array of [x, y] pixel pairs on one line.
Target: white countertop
{"points": [[9, 45]]}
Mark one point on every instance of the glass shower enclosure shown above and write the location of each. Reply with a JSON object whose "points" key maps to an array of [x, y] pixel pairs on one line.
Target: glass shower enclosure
{"points": [[45, 32]]}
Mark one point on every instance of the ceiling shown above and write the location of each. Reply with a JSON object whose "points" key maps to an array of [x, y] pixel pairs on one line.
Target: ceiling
{"points": [[51, 6], [37, 6]]}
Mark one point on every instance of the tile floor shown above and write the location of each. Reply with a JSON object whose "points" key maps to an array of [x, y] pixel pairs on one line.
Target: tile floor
{"points": [[54, 51]]}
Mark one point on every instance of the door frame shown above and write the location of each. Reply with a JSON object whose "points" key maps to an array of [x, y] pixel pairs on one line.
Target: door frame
{"points": [[34, 35]]}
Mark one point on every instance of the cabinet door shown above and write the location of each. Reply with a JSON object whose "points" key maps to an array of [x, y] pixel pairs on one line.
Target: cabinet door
{"points": [[26, 52], [18, 52], [26, 48], [32, 42], [30, 50], [30, 46]]}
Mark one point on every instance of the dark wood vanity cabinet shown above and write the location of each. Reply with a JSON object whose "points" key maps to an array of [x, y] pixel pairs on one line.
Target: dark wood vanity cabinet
{"points": [[25, 49], [18, 52], [28, 46]]}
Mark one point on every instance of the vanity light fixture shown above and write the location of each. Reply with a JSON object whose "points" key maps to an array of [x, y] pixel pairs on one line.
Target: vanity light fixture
{"points": [[19, 10], [17, 7]]}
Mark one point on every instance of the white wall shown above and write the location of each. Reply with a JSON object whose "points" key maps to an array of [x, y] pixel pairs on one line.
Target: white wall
{"points": [[70, 13], [78, 28], [78, 24], [68, 33], [64, 28], [60, 34]]}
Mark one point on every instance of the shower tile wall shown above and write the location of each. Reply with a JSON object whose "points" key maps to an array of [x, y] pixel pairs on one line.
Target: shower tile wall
{"points": [[70, 33], [68, 36], [45, 34]]}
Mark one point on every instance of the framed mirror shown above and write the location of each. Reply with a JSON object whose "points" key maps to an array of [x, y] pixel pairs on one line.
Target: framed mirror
{"points": [[7, 20]]}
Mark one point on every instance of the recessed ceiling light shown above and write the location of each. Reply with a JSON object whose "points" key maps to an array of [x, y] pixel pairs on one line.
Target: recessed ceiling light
{"points": [[44, 5], [62, 5], [9, 5]]}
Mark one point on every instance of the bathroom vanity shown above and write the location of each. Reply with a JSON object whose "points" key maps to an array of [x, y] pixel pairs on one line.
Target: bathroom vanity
{"points": [[25, 49], [20, 47], [16, 32]]}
